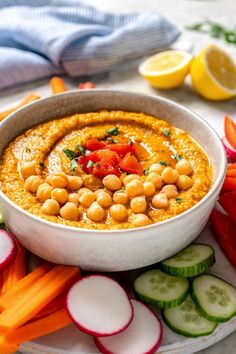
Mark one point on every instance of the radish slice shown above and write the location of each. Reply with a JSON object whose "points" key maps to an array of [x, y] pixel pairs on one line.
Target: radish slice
{"points": [[143, 336], [7, 249], [230, 151], [99, 306]]}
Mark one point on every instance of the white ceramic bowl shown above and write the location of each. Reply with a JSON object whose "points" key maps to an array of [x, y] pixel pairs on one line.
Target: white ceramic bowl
{"points": [[122, 249]]}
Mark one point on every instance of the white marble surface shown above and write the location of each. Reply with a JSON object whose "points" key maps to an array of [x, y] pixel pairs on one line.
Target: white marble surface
{"points": [[181, 12]]}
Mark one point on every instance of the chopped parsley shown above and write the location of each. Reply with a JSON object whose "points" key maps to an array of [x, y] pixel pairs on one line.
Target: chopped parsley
{"points": [[41, 164], [113, 131], [111, 140], [178, 200], [146, 171], [163, 163], [178, 157], [167, 132], [69, 153], [73, 166], [90, 164], [27, 150], [80, 149]]}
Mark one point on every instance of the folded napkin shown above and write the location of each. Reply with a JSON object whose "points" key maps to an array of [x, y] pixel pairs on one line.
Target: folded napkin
{"points": [[39, 38]]}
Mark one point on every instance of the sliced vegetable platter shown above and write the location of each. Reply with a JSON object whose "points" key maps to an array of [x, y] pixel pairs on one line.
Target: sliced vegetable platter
{"points": [[70, 340]]}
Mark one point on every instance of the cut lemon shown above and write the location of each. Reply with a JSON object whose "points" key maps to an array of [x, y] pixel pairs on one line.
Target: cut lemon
{"points": [[213, 74], [166, 70]]}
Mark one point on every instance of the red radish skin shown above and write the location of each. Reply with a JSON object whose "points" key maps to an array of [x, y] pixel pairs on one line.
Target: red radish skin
{"points": [[7, 249], [99, 306], [132, 341], [230, 151]]}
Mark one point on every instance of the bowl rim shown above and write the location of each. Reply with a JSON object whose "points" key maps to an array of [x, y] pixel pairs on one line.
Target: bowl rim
{"points": [[104, 233]]}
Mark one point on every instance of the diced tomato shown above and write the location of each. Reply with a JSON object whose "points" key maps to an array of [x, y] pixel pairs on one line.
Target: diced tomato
{"points": [[104, 168], [140, 152], [95, 144], [225, 234], [231, 173], [83, 160], [230, 131], [122, 149], [228, 203], [108, 155], [130, 164], [229, 184]]}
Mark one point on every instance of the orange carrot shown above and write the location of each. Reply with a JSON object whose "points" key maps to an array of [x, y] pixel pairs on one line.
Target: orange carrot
{"points": [[38, 328], [57, 85], [35, 298], [57, 304], [17, 269], [14, 294], [30, 98]]}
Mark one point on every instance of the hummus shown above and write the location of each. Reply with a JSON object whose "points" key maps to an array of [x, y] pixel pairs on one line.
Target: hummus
{"points": [[43, 147]]}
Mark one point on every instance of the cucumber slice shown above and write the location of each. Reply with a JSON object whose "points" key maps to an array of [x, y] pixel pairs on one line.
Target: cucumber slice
{"points": [[191, 261], [215, 298], [159, 289], [185, 319]]}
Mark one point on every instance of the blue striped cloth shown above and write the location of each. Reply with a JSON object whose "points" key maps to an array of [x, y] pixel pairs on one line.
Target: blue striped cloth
{"points": [[39, 38]]}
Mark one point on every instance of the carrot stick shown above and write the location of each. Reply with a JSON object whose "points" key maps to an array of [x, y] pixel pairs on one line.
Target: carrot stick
{"points": [[30, 98], [57, 85], [38, 328], [57, 304], [14, 294], [35, 298], [17, 269]]}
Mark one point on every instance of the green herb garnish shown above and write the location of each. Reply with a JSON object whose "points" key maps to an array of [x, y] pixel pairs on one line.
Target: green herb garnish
{"points": [[167, 132], [90, 164], [113, 131], [163, 163], [178, 157], [178, 200], [80, 149], [27, 150], [111, 140], [69, 153], [41, 164], [146, 171], [73, 166], [215, 30]]}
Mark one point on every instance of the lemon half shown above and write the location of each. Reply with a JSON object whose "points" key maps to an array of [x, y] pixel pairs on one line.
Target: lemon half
{"points": [[213, 74], [166, 70]]}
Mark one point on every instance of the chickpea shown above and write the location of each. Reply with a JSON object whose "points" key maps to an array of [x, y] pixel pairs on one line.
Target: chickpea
{"points": [[48, 179], [104, 199], [87, 198], [59, 180], [112, 182], [32, 183], [138, 204], [74, 183], [169, 175], [73, 198], [44, 192], [140, 220], [149, 189], [156, 167], [155, 179], [69, 211], [170, 190], [130, 178], [184, 167], [103, 190], [50, 207], [27, 170], [184, 182], [118, 212], [121, 197], [160, 201], [134, 188], [95, 212], [82, 190], [60, 195]]}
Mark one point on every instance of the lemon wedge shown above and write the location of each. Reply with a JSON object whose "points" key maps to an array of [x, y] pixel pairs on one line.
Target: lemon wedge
{"points": [[166, 70], [213, 74]]}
